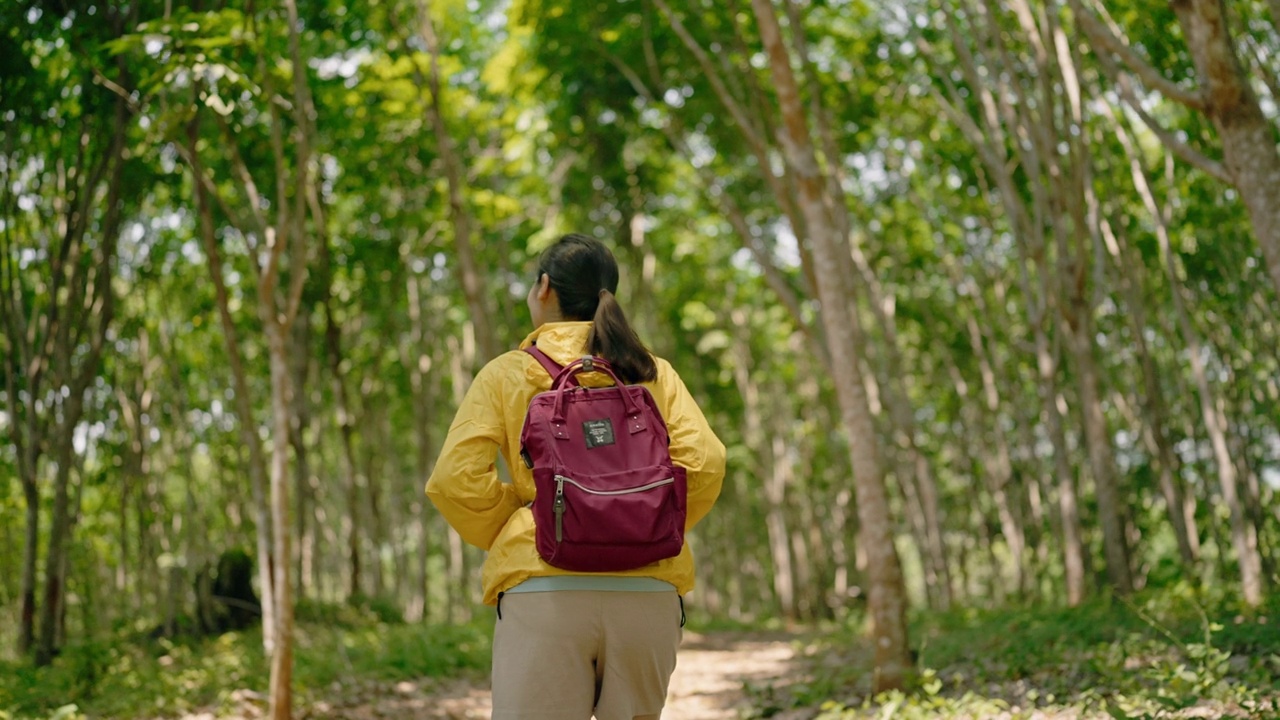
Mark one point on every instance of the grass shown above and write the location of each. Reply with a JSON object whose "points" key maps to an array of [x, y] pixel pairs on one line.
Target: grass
{"points": [[1165, 653], [336, 647]]}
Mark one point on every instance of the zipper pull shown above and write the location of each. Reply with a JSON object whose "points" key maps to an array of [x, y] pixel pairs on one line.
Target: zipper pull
{"points": [[558, 508]]}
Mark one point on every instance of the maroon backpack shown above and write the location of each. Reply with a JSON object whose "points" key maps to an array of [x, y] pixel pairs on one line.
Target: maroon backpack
{"points": [[608, 496]]}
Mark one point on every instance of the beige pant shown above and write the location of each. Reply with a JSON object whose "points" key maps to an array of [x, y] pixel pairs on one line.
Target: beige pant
{"points": [[563, 654]]}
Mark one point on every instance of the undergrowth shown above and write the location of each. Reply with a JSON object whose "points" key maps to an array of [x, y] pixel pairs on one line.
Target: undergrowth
{"points": [[133, 676], [1168, 653]]}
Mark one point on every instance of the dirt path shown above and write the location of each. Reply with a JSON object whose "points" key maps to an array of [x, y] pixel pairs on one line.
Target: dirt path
{"points": [[712, 669], [708, 684]]}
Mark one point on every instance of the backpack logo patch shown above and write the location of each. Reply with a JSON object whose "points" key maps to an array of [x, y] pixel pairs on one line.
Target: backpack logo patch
{"points": [[598, 432]]}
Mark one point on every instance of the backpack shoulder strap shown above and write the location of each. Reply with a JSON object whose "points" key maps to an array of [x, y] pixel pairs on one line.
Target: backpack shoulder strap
{"points": [[551, 366]]}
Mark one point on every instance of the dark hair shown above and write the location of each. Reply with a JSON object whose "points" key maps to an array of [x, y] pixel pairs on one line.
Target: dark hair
{"points": [[584, 275]]}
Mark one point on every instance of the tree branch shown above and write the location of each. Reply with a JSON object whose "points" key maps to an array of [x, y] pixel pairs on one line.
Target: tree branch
{"points": [[304, 186], [1184, 151], [255, 221], [277, 236], [1266, 69], [1108, 40], [737, 219], [731, 103]]}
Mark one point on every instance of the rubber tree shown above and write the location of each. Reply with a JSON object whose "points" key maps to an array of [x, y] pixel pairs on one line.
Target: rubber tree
{"points": [[1224, 94], [65, 199]]}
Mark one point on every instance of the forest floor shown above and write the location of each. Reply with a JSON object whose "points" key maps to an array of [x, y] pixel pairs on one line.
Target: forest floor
{"points": [[709, 682], [750, 675], [734, 675], [1168, 654]]}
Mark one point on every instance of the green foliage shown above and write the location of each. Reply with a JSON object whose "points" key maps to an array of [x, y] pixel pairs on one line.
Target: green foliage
{"points": [[124, 678], [554, 136], [360, 610], [1165, 651]]}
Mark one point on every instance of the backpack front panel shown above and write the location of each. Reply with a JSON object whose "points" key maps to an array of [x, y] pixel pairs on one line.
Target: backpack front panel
{"points": [[608, 497]]}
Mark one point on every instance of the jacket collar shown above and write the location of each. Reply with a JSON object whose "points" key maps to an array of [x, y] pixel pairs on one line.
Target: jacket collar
{"points": [[563, 342]]}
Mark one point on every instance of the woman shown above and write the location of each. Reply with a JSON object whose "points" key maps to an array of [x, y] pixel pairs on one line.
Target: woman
{"points": [[569, 644]]}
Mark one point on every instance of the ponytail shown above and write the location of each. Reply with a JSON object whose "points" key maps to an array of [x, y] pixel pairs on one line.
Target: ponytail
{"points": [[584, 275], [613, 339]]}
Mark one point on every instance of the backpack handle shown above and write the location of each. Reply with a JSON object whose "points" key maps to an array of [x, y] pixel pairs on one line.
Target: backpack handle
{"points": [[564, 377], [587, 363], [584, 364]]}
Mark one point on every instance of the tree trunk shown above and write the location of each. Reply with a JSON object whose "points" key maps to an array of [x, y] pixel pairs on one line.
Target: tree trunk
{"points": [[26, 633], [281, 696], [1244, 536], [773, 472], [1253, 502], [420, 363], [247, 425], [1068, 189], [886, 591], [59, 528], [808, 566], [298, 430], [1155, 433], [1000, 469], [64, 345], [345, 420], [904, 475], [1068, 502], [784, 584], [472, 283], [90, 304], [1077, 312], [375, 421], [993, 134], [1243, 533], [1157, 414], [1248, 137], [1101, 459]]}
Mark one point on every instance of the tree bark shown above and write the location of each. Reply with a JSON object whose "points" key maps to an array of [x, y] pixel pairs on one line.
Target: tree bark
{"points": [[1156, 433], [280, 692], [886, 591], [375, 428], [61, 345], [278, 313], [59, 528], [1248, 137]]}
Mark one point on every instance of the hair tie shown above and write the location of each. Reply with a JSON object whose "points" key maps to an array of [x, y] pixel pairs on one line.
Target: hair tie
{"points": [[603, 292]]}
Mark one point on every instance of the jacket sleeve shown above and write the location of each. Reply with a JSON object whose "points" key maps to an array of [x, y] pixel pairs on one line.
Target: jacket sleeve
{"points": [[464, 484], [694, 446]]}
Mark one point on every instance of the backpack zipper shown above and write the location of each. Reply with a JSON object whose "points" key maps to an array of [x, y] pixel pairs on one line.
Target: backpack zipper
{"points": [[558, 505], [561, 480]]}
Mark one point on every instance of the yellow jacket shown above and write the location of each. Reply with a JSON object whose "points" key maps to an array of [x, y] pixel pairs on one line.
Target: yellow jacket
{"points": [[493, 516]]}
